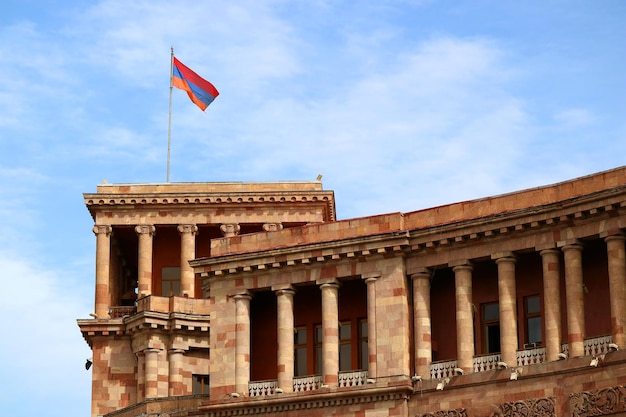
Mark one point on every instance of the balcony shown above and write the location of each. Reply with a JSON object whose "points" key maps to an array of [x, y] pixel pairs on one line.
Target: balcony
{"points": [[445, 369], [307, 383], [174, 304]]}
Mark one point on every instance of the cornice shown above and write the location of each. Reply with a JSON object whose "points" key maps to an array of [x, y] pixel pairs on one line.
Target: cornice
{"points": [[306, 401], [96, 201], [387, 244], [529, 220], [142, 321], [533, 219]]}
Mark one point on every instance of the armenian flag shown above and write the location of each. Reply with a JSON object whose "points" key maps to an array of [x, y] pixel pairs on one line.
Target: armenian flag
{"points": [[200, 91]]}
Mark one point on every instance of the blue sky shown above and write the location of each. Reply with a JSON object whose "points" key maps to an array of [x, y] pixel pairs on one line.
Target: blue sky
{"points": [[400, 104]]}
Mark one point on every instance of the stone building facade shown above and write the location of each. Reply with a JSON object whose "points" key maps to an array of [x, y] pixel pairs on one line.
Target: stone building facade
{"points": [[236, 299]]}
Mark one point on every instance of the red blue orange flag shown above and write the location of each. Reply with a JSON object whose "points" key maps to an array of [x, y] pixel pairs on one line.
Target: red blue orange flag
{"points": [[200, 91]]}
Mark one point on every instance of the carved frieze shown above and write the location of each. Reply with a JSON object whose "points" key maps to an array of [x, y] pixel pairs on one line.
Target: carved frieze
{"points": [[459, 412], [599, 402], [534, 407]]}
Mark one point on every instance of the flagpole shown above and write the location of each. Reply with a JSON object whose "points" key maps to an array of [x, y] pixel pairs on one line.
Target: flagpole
{"points": [[169, 124]]}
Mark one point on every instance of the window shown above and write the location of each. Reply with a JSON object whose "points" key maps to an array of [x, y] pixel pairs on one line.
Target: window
{"points": [[170, 281], [363, 348], [200, 384], [491, 327], [345, 346], [532, 310], [300, 351], [318, 349]]}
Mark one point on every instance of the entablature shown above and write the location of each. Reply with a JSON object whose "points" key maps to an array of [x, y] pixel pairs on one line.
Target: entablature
{"points": [[323, 201], [305, 255]]}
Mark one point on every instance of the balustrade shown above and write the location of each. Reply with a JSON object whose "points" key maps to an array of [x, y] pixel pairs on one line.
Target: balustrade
{"points": [[486, 363], [261, 388], [352, 379], [531, 356], [307, 383], [442, 369]]}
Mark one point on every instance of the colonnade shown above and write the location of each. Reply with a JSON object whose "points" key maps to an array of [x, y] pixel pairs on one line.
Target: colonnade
{"points": [[145, 235], [573, 273], [285, 311]]}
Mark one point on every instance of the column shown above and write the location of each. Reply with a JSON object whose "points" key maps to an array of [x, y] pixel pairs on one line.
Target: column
{"points": [[464, 317], [285, 338], [230, 229], [552, 302], [141, 375], [151, 377], [187, 253], [617, 285], [507, 300], [572, 255], [145, 233], [272, 227], [103, 261], [175, 386], [242, 342], [330, 333], [370, 281], [421, 320]]}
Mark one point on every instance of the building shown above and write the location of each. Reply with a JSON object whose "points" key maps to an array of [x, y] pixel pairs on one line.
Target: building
{"points": [[228, 299]]}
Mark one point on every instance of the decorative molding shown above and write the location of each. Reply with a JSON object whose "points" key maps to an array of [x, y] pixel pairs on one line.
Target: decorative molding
{"points": [[533, 407], [599, 402], [293, 404], [459, 412]]}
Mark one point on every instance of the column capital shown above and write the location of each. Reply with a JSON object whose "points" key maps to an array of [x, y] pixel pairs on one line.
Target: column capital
{"points": [[329, 284], [505, 256], [461, 267], [187, 228], [230, 229], [549, 251], [242, 296], [147, 229], [283, 287], [372, 274], [613, 236], [421, 273], [102, 229], [173, 351], [573, 245], [272, 227]]}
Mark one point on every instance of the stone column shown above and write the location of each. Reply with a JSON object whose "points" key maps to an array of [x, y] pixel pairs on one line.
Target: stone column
{"points": [[507, 300], [272, 227], [617, 286], [175, 386], [141, 376], [370, 281], [552, 302], [285, 338], [230, 229], [421, 320], [103, 275], [151, 377], [187, 252], [330, 333], [464, 316], [242, 342], [144, 265], [572, 255]]}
